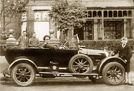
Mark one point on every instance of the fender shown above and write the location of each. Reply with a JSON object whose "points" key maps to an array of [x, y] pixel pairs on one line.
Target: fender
{"points": [[107, 59], [19, 60]]}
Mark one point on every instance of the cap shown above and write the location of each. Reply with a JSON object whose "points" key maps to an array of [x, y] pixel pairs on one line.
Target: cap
{"points": [[124, 38]]}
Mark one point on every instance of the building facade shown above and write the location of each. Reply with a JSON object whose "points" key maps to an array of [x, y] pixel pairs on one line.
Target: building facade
{"points": [[38, 17], [108, 19], [105, 20]]}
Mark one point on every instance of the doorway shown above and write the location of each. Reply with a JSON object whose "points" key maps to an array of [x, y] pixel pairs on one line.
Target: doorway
{"points": [[41, 29]]}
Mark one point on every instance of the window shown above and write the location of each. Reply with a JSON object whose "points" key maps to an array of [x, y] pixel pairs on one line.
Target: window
{"points": [[125, 13], [110, 13], [130, 13], [105, 13], [115, 14], [94, 14], [129, 31], [88, 30], [113, 29], [42, 16], [99, 13], [119, 13], [89, 14]]}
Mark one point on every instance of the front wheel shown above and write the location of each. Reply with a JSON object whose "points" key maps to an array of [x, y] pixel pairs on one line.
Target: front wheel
{"points": [[113, 73], [23, 74]]}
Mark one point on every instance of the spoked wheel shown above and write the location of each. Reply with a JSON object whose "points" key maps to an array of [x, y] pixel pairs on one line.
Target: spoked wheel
{"points": [[23, 74], [80, 64], [113, 73], [96, 78]]}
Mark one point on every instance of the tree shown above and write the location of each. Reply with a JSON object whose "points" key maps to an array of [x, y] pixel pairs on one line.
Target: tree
{"points": [[68, 15], [9, 10]]}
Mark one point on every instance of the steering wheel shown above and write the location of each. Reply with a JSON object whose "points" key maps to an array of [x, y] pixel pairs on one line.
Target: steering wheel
{"points": [[64, 46]]}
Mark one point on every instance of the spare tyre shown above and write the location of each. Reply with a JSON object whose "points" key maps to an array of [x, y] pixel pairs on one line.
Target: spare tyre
{"points": [[80, 63]]}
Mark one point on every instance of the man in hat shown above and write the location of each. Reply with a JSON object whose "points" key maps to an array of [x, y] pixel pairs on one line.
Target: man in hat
{"points": [[23, 40], [125, 53], [46, 43]]}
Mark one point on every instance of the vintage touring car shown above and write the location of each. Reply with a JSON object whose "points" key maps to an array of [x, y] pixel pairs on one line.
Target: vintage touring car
{"points": [[26, 64]]}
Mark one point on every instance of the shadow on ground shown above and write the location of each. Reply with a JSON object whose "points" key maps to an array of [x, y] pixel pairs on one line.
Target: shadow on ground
{"points": [[59, 81]]}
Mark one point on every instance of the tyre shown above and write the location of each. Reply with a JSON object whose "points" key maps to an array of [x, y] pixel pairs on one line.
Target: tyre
{"points": [[80, 63], [23, 74], [113, 73], [96, 78]]}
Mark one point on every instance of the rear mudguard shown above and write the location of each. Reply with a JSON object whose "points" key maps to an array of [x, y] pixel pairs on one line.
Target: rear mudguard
{"points": [[21, 60], [108, 60]]}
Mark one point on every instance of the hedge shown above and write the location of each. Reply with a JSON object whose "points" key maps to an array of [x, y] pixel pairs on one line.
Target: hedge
{"points": [[101, 44], [91, 44]]}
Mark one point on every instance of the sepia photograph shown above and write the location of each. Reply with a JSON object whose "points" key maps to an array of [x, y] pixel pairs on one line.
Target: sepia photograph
{"points": [[66, 45]]}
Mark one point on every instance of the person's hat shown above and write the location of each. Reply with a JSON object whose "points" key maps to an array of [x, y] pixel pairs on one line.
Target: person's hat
{"points": [[46, 36], [124, 38]]}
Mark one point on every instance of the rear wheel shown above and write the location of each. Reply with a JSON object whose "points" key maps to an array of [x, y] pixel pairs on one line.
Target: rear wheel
{"points": [[113, 73], [80, 64], [23, 74]]}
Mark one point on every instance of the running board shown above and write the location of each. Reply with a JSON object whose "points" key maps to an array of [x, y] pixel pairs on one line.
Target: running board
{"points": [[68, 74]]}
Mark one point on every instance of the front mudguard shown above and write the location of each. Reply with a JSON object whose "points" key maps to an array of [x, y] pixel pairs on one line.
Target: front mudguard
{"points": [[106, 60], [6, 73]]}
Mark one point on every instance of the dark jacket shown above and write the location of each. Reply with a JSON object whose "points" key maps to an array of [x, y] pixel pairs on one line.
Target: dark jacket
{"points": [[49, 46], [23, 41], [124, 53]]}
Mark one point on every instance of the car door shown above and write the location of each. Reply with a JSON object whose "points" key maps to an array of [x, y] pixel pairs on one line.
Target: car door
{"points": [[42, 56], [62, 56]]}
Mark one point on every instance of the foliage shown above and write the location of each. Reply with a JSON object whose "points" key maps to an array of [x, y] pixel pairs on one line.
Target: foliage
{"points": [[101, 44], [11, 8], [66, 14]]}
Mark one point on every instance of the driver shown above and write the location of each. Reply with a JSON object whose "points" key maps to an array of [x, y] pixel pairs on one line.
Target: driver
{"points": [[73, 44], [46, 43]]}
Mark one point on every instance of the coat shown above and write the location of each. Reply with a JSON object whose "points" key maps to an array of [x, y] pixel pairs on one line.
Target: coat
{"points": [[23, 41], [34, 42], [46, 45], [124, 53]]}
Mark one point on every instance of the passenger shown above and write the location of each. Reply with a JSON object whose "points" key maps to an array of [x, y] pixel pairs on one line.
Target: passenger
{"points": [[46, 43], [33, 41], [125, 53], [23, 40], [74, 43]]}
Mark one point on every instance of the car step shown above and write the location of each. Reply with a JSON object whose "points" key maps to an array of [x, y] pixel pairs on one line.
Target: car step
{"points": [[68, 74]]}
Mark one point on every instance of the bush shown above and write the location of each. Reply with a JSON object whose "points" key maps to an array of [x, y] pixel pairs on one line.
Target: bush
{"points": [[101, 44]]}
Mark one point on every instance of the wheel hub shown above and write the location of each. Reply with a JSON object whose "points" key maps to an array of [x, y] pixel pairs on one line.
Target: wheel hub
{"points": [[114, 73], [81, 66], [23, 74]]}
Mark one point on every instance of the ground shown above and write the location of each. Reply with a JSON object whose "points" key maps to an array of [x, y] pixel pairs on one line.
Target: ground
{"points": [[64, 84]]}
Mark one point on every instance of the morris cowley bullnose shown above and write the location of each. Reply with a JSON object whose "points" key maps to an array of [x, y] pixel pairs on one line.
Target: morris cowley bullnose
{"points": [[27, 63]]}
